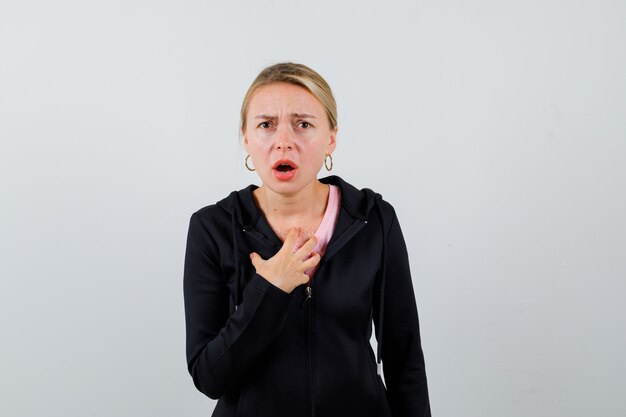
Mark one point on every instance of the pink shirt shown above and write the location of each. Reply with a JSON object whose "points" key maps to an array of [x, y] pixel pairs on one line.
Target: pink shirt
{"points": [[325, 230]]}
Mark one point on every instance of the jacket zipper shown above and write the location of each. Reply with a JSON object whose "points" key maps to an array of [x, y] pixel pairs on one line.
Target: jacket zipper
{"points": [[309, 336], [308, 292]]}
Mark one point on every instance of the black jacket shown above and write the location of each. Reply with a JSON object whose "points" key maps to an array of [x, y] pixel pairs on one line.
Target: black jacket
{"points": [[266, 353]]}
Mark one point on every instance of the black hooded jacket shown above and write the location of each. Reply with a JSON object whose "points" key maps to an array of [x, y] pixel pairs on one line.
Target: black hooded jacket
{"points": [[264, 352]]}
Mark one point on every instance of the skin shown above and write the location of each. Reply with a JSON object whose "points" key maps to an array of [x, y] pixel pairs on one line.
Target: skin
{"points": [[297, 129]]}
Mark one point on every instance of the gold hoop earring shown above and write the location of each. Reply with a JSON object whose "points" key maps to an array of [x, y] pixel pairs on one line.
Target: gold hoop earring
{"points": [[326, 162], [246, 164]]}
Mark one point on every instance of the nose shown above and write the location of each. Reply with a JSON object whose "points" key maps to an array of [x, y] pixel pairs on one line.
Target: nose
{"points": [[284, 138]]}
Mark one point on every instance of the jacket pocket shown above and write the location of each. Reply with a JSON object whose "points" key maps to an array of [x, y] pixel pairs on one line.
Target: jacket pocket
{"points": [[241, 399], [371, 363]]}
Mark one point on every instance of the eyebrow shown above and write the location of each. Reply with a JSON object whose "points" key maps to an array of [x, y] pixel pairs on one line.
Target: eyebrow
{"points": [[299, 115]]}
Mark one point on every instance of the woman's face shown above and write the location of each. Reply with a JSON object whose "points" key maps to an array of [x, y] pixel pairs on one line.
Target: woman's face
{"points": [[285, 124]]}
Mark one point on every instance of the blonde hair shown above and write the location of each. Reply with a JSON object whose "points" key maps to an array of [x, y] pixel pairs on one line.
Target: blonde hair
{"points": [[296, 74]]}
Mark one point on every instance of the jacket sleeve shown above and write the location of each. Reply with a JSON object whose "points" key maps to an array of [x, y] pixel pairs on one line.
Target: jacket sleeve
{"points": [[221, 347], [402, 356]]}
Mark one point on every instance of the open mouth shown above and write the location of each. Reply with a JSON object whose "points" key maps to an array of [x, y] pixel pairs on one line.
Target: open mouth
{"points": [[284, 168], [284, 165]]}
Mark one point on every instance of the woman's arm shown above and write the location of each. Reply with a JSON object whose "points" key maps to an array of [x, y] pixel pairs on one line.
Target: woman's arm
{"points": [[402, 356], [220, 348]]}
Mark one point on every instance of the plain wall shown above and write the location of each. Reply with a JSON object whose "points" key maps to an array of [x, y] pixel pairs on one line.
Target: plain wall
{"points": [[497, 130]]}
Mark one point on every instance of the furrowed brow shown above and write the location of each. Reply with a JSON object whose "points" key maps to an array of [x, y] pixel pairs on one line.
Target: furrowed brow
{"points": [[298, 115], [265, 116]]}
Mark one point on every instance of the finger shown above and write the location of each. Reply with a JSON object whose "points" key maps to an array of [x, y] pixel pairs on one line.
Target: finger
{"points": [[291, 239], [256, 259], [312, 261], [307, 247]]}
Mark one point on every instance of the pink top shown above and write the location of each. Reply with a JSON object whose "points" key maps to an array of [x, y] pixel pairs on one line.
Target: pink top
{"points": [[325, 230]]}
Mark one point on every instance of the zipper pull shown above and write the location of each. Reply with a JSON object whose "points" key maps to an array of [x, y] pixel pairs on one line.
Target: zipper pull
{"points": [[308, 291]]}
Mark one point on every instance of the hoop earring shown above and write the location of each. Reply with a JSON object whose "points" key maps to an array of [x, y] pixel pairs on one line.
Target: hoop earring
{"points": [[326, 162], [246, 164]]}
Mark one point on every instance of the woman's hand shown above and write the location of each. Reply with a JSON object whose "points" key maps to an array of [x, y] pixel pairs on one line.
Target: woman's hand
{"points": [[286, 269]]}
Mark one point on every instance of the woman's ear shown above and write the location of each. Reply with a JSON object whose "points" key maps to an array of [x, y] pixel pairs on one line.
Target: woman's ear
{"points": [[245, 140], [332, 141]]}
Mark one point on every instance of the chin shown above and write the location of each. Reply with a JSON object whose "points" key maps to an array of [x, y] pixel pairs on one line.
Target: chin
{"points": [[295, 184]]}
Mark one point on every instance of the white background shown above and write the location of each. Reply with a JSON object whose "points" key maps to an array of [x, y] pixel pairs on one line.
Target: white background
{"points": [[496, 128]]}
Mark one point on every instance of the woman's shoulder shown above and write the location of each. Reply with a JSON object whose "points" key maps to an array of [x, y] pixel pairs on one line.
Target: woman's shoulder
{"points": [[208, 211], [361, 201], [225, 208]]}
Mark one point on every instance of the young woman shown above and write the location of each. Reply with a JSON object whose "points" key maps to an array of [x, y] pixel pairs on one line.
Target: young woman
{"points": [[282, 281]]}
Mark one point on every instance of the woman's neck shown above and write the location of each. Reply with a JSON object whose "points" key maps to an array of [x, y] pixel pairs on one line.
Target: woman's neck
{"points": [[310, 202]]}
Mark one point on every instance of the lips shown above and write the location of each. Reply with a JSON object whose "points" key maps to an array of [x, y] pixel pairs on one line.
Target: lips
{"points": [[284, 169]]}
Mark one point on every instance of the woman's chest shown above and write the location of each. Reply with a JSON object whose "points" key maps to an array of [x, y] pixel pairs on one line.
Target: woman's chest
{"points": [[305, 227]]}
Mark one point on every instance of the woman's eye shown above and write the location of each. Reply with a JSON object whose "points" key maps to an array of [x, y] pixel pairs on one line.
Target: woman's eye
{"points": [[265, 125], [305, 125]]}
